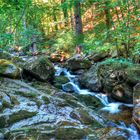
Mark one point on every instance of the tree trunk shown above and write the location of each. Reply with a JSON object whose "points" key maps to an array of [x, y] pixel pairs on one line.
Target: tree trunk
{"points": [[78, 22]]}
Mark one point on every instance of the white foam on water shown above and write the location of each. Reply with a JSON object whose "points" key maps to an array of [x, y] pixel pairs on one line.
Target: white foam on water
{"points": [[110, 107]]}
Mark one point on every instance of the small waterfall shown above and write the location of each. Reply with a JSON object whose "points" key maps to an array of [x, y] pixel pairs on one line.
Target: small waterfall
{"points": [[110, 107]]}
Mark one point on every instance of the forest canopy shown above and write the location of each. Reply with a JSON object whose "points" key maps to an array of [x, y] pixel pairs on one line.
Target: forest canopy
{"points": [[63, 24]]}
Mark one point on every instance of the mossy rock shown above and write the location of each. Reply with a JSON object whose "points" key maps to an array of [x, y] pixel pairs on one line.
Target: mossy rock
{"points": [[118, 77], [6, 120], [22, 114], [39, 68], [90, 101], [8, 69], [14, 100], [91, 80], [133, 74], [60, 80], [46, 99], [76, 63], [70, 133], [84, 117], [26, 94]]}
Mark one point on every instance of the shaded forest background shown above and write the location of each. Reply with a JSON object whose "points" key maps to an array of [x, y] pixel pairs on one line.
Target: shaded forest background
{"points": [[98, 25]]}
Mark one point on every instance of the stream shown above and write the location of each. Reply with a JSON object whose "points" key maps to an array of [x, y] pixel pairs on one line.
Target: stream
{"points": [[110, 107]]}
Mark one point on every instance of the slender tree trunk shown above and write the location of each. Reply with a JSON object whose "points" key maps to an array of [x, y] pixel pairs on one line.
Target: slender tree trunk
{"points": [[78, 22]]}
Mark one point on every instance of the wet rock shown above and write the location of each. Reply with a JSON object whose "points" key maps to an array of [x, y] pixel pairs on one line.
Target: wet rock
{"points": [[69, 87], [77, 62], [90, 101], [30, 119], [84, 117], [40, 68], [59, 81], [124, 115], [136, 109], [15, 115], [107, 134], [116, 77], [91, 80], [69, 99], [8, 69]]}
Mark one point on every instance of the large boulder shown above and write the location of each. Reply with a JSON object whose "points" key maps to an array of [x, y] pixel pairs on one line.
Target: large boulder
{"points": [[78, 62], [40, 68], [115, 77], [90, 79], [8, 69], [118, 78]]}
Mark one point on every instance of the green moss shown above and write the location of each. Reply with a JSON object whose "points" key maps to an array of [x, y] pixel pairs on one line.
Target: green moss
{"points": [[14, 100], [60, 80], [70, 133], [46, 99], [133, 74], [6, 65], [26, 94], [3, 65], [116, 64], [17, 116], [6, 104]]}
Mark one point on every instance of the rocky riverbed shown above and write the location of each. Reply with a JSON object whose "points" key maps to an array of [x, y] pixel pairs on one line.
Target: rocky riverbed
{"points": [[31, 107]]}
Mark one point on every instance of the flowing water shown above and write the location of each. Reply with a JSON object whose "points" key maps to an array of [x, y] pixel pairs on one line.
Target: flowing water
{"points": [[111, 107]]}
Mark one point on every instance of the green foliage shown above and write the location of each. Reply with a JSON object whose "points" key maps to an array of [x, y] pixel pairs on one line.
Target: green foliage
{"points": [[117, 64], [63, 41], [50, 25]]}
